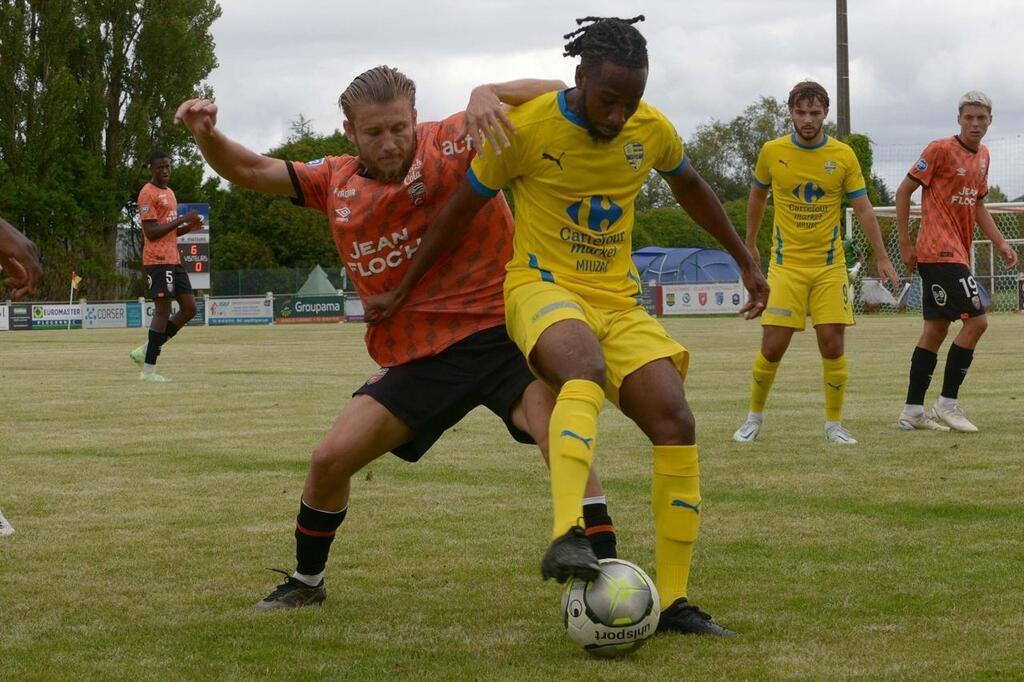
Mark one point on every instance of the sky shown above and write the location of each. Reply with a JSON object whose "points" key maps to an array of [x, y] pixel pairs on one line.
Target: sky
{"points": [[910, 60]]}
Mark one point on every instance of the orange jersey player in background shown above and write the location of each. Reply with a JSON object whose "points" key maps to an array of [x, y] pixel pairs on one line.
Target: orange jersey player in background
{"points": [[167, 280], [953, 175], [448, 352]]}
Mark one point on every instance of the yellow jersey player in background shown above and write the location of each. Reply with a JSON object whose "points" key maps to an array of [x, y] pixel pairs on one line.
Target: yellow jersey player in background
{"points": [[809, 174], [576, 164]]}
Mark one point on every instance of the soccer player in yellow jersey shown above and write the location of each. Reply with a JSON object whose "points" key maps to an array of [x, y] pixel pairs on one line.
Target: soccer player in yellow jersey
{"points": [[809, 174], [576, 164]]}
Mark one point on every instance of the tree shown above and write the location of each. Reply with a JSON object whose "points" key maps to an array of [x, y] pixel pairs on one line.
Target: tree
{"points": [[995, 195], [87, 89], [257, 231], [725, 153]]}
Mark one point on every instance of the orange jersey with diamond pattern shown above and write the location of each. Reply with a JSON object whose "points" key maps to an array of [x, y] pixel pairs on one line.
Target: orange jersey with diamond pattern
{"points": [[160, 205], [377, 227], [954, 178]]}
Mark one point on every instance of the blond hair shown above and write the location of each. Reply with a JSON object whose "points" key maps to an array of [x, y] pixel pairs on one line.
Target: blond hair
{"points": [[379, 85]]}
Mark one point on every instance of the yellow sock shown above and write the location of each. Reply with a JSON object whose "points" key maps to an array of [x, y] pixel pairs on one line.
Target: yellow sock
{"points": [[761, 384], [572, 437], [835, 374], [675, 498]]}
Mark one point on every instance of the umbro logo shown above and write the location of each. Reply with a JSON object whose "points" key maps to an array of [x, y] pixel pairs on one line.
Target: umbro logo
{"points": [[558, 162]]}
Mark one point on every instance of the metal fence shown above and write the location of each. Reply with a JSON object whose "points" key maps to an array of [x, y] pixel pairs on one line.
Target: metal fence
{"points": [[1000, 282], [279, 281]]}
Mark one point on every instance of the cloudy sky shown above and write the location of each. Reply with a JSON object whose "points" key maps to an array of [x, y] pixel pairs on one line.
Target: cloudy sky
{"points": [[909, 61]]}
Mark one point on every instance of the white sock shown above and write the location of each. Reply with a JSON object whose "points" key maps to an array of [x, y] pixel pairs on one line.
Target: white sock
{"points": [[311, 580], [755, 417], [947, 403], [148, 368], [913, 410], [832, 425], [600, 499]]}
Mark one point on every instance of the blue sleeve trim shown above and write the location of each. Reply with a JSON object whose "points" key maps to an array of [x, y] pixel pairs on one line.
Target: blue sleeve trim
{"points": [[480, 187], [758, 183], [858, 193], [678, 170]]}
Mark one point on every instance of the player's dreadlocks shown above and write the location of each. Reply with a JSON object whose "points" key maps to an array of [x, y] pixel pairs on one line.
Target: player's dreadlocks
{"points": [[808, 90], [379, 85], [608, 38]]}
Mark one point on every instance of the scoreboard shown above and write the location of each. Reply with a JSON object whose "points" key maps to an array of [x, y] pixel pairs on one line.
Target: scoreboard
{"points": [[194, 247]]}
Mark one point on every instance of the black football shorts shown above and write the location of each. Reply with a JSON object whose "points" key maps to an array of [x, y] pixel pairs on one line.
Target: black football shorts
{"points": [[432, 394], [949, 292], [167, 281]]}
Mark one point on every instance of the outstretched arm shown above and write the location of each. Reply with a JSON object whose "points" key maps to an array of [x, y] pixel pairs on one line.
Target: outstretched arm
{"points": [[229, 159], [443, 233], [869, 223], [700, 202], [19, 259]]}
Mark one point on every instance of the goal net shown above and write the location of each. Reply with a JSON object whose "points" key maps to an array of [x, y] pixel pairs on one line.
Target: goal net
{"points": [[1001, 286]]}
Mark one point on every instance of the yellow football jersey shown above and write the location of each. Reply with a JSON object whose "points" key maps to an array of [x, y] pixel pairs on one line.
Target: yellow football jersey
{"points": [[574, 196], [808, 185]]}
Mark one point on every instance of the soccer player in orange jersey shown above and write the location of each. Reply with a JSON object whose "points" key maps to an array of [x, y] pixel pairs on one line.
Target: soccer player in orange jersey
{"points": [[19, 261], [953, 175], [448, 351], [161, 225]]}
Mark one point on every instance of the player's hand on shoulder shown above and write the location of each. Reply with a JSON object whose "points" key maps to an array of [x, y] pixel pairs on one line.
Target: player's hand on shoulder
{"points": [[486, 120], [198, 115], [757, 290]]}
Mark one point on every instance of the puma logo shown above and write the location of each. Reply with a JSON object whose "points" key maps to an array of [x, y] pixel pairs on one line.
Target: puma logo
{"points": [[686, 505], [558, 162], [784, 163], [835, 386], [570, 434]]}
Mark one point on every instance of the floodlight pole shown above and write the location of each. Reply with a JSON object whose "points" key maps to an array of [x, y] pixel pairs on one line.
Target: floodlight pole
{"points": [[842, 72]]}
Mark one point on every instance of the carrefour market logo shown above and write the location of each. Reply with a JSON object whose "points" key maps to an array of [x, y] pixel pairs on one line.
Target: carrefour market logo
{"points": [[809, 192], [596, 213]]}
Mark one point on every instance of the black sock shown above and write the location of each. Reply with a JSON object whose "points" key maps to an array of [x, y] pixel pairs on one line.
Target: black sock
{"points": [[599, 529], [156, 339], [922, 364], [958, 361], [314, 533], [170, 331]]}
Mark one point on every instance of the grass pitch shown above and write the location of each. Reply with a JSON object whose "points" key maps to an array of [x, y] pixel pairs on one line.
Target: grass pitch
{"points": [[145, 515]]}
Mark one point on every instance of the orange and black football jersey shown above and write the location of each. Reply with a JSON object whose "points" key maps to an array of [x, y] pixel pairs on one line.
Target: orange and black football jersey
{"points": [[377, 227]]}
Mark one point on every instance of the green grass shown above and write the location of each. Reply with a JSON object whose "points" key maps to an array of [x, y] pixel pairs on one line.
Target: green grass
{"points": [[147, 513]]}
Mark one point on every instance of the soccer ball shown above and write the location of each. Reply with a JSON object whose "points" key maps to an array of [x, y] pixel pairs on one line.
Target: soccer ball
{"points": [[614, 614]]}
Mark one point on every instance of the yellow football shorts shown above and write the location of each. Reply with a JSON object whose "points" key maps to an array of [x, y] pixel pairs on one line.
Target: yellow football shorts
{"points": [[629, 338], [824, 293]]}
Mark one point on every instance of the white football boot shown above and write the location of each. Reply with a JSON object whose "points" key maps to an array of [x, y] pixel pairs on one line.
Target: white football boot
{"points": [[919, 422], [954, 417]]}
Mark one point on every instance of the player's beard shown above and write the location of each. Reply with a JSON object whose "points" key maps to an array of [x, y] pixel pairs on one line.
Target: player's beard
{"points": [[388, 176], [375, 171], [808, 138], [596, 134]]}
